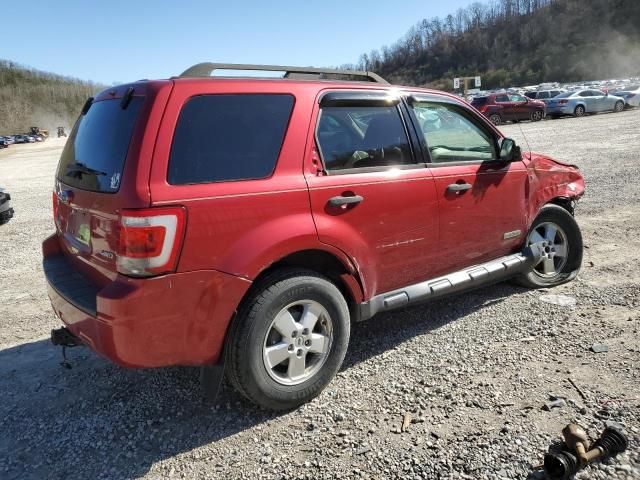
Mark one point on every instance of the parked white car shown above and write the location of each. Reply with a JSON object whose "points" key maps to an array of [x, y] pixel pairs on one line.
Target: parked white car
{"points": [[631, 96]]}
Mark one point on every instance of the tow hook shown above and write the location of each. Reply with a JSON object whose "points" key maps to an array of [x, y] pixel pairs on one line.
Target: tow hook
{"points": [[63, 337], [577, 453]]}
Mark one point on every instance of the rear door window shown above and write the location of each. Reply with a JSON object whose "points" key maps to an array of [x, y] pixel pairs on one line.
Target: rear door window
{"points": [[228, 137], [94, 155]]}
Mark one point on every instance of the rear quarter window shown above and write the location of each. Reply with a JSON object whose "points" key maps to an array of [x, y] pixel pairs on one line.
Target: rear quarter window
{"points": [[228, 137]]}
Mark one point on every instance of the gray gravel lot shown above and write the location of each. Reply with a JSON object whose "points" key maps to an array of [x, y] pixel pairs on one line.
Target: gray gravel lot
{"points": [[472, 371]]}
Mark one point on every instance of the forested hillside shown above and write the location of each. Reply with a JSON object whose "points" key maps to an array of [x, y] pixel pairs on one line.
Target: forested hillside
{"points": [[33, 98], [517, 42]]}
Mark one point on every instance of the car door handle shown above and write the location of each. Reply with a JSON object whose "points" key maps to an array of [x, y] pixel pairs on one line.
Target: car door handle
{"points": [[341, 200], [459, 187]]}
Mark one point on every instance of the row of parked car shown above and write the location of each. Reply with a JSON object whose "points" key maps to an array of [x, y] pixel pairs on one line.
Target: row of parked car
{"points": [[503, 106], [7, 140]]}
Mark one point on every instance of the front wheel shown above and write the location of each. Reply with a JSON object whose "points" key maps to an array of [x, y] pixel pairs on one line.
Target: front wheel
{"points": [[288, 339], [619, 106], [559, 235]]}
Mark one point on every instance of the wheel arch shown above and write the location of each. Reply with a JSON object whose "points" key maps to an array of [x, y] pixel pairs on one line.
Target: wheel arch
{"points": [[565, 202], [334, 265]]}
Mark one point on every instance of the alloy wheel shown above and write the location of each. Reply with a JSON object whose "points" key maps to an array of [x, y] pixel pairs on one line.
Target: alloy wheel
{"points": [[297, 342], [555, 248]]}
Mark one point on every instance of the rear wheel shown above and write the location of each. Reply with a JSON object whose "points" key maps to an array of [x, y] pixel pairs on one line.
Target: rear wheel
{"points": [[619, 106], [559, 235], [288, 340], [579, 111], [495, 118], [536, 116]]}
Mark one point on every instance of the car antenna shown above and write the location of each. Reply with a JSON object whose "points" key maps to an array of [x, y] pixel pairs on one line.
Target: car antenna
{"points": [[525, 139]]}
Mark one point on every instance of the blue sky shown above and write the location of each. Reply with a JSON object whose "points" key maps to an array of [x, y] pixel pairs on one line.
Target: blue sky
{"points": [[119, 41]]}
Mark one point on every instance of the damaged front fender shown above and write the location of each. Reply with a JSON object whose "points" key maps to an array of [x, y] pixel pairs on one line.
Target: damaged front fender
{"points": [[549, 181]]}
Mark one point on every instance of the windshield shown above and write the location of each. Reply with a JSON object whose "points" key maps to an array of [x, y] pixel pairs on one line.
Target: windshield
{"points": [[94, 155]]}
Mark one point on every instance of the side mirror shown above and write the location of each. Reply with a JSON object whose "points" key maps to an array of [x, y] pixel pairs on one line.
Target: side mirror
{"points": [[509, 151]]}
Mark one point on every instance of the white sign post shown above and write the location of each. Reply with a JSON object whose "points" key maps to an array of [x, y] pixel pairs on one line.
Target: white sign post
{"points": [[456, 83], [478, 83]]}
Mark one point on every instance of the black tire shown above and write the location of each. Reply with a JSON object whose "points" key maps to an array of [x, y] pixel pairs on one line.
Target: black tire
{"points": [[496, 119], [537, 115], [579, 111], [248, 336], [558, 216], [618, 107]]}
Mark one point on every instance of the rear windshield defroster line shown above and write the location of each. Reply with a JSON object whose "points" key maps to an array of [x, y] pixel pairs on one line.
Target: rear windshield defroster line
{"points": [[94, 156]]}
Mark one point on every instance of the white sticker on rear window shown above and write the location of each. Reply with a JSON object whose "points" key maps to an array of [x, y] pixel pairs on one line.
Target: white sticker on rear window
{"points": [[115, 181]]}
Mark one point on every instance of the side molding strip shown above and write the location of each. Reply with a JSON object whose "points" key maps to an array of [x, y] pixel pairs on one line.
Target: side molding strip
{"points": [[469, 278]]}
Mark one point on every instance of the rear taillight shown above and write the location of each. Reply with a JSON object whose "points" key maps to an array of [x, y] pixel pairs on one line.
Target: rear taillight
{"points": [[483, 108], [55, 201], [563, 102], [150, 240]]}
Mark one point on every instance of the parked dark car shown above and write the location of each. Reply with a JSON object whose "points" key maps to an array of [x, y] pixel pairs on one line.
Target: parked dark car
{"points": [[4, 143], [502, 107], [6, 212], [24, 139]]}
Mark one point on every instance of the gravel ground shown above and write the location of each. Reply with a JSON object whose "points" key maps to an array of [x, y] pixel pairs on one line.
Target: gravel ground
{"points": [[472, 372]]}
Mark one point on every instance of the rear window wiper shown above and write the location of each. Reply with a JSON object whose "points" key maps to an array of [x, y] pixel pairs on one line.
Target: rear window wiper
{"points": [[76, 170]]}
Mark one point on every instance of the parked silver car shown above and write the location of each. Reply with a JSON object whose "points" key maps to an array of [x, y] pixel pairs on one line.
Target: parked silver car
{"points": [[584, 101], [544, 95]]}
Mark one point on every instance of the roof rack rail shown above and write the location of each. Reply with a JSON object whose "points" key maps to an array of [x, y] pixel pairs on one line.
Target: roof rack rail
{"points": [[206, 70]]}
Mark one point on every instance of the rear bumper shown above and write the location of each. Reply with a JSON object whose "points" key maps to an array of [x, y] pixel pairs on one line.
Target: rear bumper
{"points": [[175, 319]]}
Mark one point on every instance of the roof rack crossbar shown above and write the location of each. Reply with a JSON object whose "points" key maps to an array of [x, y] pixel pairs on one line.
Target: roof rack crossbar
{"points": [[206, 70]]}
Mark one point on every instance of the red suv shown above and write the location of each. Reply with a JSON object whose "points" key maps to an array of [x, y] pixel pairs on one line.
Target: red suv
{"points": [[501, 107], [247, 222]]}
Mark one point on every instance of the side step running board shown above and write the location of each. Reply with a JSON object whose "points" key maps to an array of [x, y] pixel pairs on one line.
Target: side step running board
{"points": [[469, 278]]}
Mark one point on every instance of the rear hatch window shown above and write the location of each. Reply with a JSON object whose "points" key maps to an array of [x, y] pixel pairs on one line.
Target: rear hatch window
{"points": [[479, 101], [94, 155]]}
